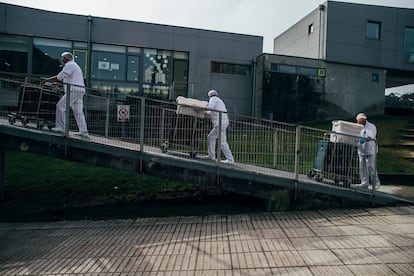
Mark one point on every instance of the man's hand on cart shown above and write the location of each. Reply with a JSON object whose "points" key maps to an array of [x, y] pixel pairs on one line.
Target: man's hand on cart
{"points": [[52, 81]]}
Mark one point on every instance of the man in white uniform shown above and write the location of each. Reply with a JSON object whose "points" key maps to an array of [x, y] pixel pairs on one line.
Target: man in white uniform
{"points": [[367, 150], [215, 104], [71, 74]]}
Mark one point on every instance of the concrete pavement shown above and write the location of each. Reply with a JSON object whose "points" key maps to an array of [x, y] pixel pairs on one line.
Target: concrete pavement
{"points": [[373, 241]]}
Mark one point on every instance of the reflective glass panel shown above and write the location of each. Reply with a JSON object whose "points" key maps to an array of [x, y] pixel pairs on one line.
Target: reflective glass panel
{"points": [[13, 53], [47, 55], [108, 66], [409, 45]]}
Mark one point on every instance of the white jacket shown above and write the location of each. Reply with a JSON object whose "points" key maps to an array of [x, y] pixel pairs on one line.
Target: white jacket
{"points": [[368, 131], [215, 103], [72, 74]]}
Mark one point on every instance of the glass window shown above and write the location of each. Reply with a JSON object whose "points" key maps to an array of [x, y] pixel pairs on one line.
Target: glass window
{"points": [[273, 67], [47, 55], [232, 69], [134, 50], [308, 71], [14, 53], [115, 88], [409, 45], [108, 62], [373, 30], [80, 57], [290, 69], [157, 67], [80, 45], [310, 29], [181, 55], [133, 68]]}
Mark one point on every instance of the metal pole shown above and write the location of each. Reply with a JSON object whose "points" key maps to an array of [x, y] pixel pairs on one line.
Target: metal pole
{"points": [[218, 150], [141, 132], [297, 155], [67, 110], [2, 162], [107, 119], [275, 149]]}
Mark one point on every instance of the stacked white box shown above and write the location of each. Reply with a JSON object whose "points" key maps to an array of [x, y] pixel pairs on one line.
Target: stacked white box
{"points": [[346, 132], [191, 107]]}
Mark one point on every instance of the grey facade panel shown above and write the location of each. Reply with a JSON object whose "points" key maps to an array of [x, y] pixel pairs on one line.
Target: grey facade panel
{"points": [[203, 46], [346, 40], [342, 36]]}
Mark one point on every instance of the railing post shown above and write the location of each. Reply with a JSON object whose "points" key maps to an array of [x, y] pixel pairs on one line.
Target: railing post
{"points": [[218, 150], [67, 109], [297, 156], [2, 164], [162, 139], [107, 118], [142, 127], [275, 149]]}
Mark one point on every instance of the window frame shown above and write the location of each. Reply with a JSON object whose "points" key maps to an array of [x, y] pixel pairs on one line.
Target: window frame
{"points": [[378, 30]]}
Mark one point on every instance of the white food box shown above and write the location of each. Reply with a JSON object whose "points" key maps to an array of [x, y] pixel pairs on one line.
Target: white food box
{"points": [[351, 131], [185, 107]]}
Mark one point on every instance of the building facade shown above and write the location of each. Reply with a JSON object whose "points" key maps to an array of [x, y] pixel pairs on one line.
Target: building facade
{"points": [[127, 57], [361, 50], [354, 34], [336, 61]]}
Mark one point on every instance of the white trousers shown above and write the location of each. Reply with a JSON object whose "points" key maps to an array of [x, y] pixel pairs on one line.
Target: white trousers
{"points": [[224, 146], [76, 103], [367, 170]]}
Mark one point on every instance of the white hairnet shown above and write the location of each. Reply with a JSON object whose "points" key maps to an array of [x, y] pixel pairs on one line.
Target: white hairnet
{"points": [[361, 116], [67, 55], [212, 93]]}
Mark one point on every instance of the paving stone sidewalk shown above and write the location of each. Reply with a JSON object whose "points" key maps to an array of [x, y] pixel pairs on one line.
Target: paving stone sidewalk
{"points": [[374, 241]]}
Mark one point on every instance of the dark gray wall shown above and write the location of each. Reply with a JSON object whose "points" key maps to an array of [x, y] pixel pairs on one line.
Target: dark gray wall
{"points": [[342, 36], [204, 46], [346, 35]]}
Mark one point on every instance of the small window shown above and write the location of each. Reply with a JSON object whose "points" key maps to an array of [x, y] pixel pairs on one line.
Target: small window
{"points": [[310, 28], [373, 30], [409, 44], [290, 69], [231, 69], [375, 77]]}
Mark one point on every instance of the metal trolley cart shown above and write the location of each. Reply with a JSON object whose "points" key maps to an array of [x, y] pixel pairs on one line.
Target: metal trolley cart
{"points": [[337, 157], [337, 162], [37, 104], [187, 126]]}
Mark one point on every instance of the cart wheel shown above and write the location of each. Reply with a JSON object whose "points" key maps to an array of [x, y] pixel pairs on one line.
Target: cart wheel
{"points": [[25, 121], [193, 154], [347, 183], [310, 174], [318, 178], [164, 147], [40, 125], [50, 126], [12, 119]]}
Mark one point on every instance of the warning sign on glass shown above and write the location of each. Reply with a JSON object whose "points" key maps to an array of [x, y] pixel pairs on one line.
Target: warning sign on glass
{"points": [[123, 113]]}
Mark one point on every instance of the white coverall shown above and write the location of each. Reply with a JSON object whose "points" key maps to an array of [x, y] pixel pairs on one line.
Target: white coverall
{"points": [[215, 103], [367, 156], [72, 74]]}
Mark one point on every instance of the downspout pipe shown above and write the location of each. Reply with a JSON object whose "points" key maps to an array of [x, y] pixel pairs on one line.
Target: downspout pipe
{"points": [[253, 113], [88, 56]]}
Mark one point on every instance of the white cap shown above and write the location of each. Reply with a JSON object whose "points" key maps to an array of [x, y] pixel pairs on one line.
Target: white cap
{"points": [[361, 116], [67, 55], [212, 93]]}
